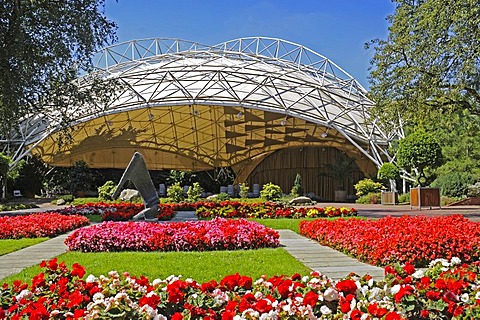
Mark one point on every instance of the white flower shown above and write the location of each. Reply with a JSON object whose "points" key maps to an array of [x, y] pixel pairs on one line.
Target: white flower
{"points": [[464, 297], [418, 274], [395, 289], [325, 310], [330, 295], [268, 316], [455, 261], [91, 278], [258, 295], [370, 282], [156, 282], [24, 294], [98, 297], [149, 311], [160, 317], [477, 295], [113, 274], [364, 316]]}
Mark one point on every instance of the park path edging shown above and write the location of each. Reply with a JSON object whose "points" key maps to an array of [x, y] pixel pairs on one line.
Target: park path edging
{"points": [[323, 259]]}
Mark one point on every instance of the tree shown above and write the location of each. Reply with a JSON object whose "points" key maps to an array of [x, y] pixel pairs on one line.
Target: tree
{"points": [[4, 165], [430, 60], [44, 46], [419, 151]]}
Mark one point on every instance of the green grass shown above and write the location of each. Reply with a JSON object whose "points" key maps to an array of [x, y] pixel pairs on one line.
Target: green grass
{"points": [[11, 245], [291, 224], [94, 217], [200, 266]]}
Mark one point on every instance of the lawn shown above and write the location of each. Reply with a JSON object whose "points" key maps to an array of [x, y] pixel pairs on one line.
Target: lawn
{"points": [[201, 266], [11, 245], [292, 224]]}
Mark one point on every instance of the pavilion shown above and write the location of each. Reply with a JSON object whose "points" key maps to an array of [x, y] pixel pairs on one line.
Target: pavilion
{"points": [[265, 107]]}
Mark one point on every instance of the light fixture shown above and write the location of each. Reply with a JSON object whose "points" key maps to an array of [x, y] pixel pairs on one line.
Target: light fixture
{"points": [[109, 122], [196, 113], [325, 134], [240, 114], [283, 122], [150, 116]]}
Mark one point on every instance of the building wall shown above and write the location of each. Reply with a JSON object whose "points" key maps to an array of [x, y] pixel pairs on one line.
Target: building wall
{"points": [[314, 165]]}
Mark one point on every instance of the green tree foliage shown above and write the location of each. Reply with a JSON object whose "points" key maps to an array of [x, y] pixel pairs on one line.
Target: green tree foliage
{"points": [[80, 177], [43, 47], [430, 60], [271, 191], [458, 136], [4, 166], [28, 176], [297, 188], [419, 151]]}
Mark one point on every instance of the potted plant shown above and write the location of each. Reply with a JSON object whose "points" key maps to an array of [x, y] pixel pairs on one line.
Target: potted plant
{"points": [[419, 151], [389, 172]]}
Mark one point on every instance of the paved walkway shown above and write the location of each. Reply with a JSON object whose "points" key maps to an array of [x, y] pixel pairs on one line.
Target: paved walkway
{"points": [[320, 258]]}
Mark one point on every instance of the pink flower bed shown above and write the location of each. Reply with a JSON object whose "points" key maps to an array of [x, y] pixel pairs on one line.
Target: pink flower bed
{"points": [[446, 290], [416, 240], [118, 211], [216, 234], [39, 225]]}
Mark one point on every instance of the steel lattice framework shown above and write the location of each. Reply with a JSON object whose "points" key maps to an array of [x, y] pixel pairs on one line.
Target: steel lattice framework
{"points": [[193, 106]]}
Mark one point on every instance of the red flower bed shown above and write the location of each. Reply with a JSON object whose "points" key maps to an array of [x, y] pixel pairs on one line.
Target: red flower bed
{"points": [[39, 225], [235, 209], [217, 234], [444, 291], [416, 240], [118, 211]]}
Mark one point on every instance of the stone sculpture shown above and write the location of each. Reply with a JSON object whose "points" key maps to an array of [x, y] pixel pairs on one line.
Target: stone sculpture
{"points": [[137, 172]]}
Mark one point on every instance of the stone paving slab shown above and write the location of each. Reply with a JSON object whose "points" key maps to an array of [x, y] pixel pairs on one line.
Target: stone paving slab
{"points": [[325, 260], [15, 262]]}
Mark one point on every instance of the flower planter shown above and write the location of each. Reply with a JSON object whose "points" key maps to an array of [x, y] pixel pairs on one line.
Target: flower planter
{"points": [[340, 196], [389, 197], [424, 197]]}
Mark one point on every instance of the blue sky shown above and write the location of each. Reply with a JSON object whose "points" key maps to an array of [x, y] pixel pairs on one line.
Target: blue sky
{"points": [[337, 29]]}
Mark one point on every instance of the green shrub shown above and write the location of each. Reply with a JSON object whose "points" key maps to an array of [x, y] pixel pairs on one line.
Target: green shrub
{"points": [[445, 201], [67, 197], [297, 186], [366, 186], [243, 190], [370, 198], [194, 192], [175, 192], [404, 198], [105, 192], [454, 184], [271, 191], [222, 197]]}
